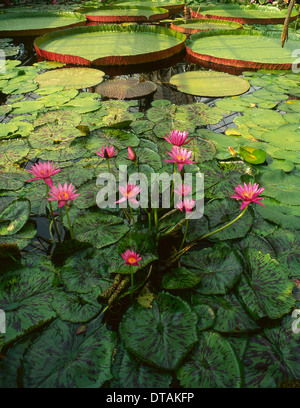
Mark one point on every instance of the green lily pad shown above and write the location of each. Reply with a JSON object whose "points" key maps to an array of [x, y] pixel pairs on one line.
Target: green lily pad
{"points": [[26, 297], [53, 136], [21, 239], [209, 83], [73, 363], [161, 335], [14, 217], [119, 138], [59, 117], [281, 186], [219, 269], [12, 177], [287, 247], [286, 137], [252, 155], [85, 271], [267, 291], [12, 151], [7, 130], [74, 308], [99, 229], [231, 317], [180, 278], [77, 78], [272, 357], [129, 372], [207, 316], [288, 216], [26, 107], [211, 364]]}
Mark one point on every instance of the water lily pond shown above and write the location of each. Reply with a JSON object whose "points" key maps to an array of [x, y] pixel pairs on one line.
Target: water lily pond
{"points": [[149, 195]]}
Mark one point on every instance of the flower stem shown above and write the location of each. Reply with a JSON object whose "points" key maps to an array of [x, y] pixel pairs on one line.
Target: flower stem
{"points": [[149, 221], [52, 215], [155, 219], [185, 233], [108, 165], [132, 216], [69, 222], [191, 244], [131, 293], [225, 226]]}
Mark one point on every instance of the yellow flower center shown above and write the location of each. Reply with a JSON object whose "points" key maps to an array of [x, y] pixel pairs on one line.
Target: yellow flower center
{"points": [[131, 259], [248, 195], [63, 196], [180, 157]]}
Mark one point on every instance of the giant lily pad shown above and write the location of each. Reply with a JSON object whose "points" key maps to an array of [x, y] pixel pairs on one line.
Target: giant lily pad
{"points": [[72, 362], [173, 6], [161, 335], [251, 14], [242, 49], [195, 25], [96, 45], [77, 78], [209, 83], [37, 23], [120, 14]]}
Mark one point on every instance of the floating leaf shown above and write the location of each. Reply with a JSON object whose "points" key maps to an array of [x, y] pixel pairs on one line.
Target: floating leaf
{"points": [[74, 308], [272, 357], [180, 278], [72, 363], [211, 364], [162, 335], [219, 269], [26, 297], [129, 372], [209, 83], [99, 229], [267, 291], [252, 155], [12, 151], [77, 78], [14, 217], [231, 317], [84, 271]]}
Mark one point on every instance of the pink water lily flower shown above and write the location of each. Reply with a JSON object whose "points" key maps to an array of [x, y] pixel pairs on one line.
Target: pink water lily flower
{"points": [[249, 194], [183, 189], [180, 156], [107, 152], [186, 205], [177, 138], [44, 171], [129, 192], [131, 258], [63, 194]]}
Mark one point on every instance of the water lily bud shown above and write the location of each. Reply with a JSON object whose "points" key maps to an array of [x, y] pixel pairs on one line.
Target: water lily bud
{"points": [[131, 154]]}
